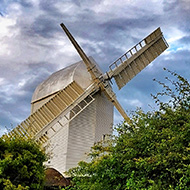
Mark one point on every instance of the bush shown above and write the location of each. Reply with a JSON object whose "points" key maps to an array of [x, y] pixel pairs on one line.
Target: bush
{"points": [[21, 164], [152, 152]]}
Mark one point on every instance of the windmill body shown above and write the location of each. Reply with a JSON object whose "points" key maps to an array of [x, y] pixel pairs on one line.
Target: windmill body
{"points": [[73, 108], [69, 141]]}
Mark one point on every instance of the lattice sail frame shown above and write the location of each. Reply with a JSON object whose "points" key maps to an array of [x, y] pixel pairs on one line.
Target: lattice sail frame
{"points": [[137, 58]]}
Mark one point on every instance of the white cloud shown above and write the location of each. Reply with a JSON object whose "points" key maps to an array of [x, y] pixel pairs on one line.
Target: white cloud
{"points": [[135, 103], [3, 130], [97, 45], [175, 34], [5, 24], [2, 81], [25, 45], [14, 9], [68, 8], [127, 8], [6, 33]]}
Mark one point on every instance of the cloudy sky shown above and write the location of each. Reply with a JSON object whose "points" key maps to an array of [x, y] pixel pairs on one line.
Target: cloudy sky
{"points": [[33, 45]]}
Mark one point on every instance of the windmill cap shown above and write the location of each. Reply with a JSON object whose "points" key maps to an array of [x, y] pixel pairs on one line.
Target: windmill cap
{"points": [[62, 78]]}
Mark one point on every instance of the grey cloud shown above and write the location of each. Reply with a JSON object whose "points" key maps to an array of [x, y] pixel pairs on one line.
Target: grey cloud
{"points": [[185, 40], [177, 14], [50, 9], [43, 26], [13, 109], [4, 117], [18, 104], [86, 2], [39, 72], [170, 5], [102, 36], [25, 3]]}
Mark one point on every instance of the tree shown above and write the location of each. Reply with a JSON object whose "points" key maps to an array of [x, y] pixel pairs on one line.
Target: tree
{"points": [[152, 152], [21, 164]]}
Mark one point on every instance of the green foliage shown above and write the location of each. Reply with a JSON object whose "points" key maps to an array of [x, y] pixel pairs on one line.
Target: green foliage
{"points": [[152, 153], [21, 165]]}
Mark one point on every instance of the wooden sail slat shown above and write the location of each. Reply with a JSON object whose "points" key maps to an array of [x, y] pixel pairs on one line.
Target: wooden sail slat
{"points": [[50, 110]]}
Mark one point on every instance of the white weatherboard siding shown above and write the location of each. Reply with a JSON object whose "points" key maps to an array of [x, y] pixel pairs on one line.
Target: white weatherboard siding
{"points": [[56, 148], [70, 145], [87, 128], [81, 135], [104, 117]]}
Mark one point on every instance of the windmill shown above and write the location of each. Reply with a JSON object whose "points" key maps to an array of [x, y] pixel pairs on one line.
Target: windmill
{"points": [[68, 107]]}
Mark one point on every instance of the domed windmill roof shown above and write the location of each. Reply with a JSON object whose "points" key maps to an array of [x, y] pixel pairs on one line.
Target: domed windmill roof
{"points": [[59, 80]]}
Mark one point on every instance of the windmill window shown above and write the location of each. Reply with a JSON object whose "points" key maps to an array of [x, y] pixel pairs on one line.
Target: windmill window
{"points": [[88, 99], [118, 62], [76, 109], [72, 113], [138, 47], [82, 104], [142, 43], [128, 54], [123, 59], [133, 50]]}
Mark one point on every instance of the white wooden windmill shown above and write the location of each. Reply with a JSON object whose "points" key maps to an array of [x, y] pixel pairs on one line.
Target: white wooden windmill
{"points": [[73, 108]]}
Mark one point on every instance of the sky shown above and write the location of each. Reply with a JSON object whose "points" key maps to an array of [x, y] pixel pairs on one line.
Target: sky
{"points": [[33, 46]]}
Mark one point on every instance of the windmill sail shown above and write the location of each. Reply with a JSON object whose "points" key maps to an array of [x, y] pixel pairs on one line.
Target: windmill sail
{"points": [[137, 58], [68, 102], [96, 75]]}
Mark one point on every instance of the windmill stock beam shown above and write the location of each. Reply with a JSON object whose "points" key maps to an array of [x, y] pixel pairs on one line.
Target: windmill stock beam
{"points": [[90, 66]]}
